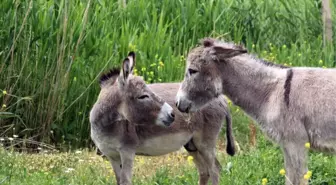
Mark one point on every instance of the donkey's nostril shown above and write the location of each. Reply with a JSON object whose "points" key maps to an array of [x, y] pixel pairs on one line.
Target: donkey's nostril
{"points": [[187, 109], [172, 115]]}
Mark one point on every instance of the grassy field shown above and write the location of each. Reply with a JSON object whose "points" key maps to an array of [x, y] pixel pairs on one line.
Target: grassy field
{"points": [[51, 53], [84, 167]]}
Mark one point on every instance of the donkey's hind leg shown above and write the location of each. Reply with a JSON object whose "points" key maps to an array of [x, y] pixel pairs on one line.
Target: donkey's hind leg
{"points": [[202, 168]]}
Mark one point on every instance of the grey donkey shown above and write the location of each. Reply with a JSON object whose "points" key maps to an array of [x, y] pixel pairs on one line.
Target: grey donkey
{"points": [[293, 105], [131, 118]]}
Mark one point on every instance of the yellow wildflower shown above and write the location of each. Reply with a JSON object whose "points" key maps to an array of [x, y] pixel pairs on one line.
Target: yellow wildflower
{"points": [[161, 63], [307, 145], [190, 159], [135, 72], [142, 161], [306, 176], [284, 46], [132, 47], [4, 92], [264, 181], [320, 61], [4, 105], [282, 172]]}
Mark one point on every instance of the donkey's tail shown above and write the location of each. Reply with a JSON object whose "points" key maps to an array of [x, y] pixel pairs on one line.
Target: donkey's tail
{"points": [[230, 146]]}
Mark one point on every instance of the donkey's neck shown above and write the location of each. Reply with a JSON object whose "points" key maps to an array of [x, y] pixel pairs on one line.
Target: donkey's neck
{"points": [[249, 82]]}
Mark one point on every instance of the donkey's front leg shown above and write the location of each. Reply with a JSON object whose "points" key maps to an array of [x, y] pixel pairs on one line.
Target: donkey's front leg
{"points": [[127, 159], [116, 165], [295, 163]]}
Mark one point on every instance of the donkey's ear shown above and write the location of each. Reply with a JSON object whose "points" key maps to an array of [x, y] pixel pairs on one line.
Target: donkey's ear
{"points": [[208, 42], [131, 57], [229, 52], [126, 68]]}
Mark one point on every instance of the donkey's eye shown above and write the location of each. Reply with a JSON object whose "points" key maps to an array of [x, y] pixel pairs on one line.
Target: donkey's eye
{"points": [[143, 97], [192, 71]]}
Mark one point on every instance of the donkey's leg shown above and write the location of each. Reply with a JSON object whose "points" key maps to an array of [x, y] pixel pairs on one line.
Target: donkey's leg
{"points": [[218, 165], [202, 168], [127, 159], [209, 157], [116, 165], [206, 146], [205, 141], [295, 163]]}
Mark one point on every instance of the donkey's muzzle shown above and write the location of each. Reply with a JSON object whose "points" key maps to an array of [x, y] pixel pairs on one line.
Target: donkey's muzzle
{"points": [[166, 116], [184, 106], [169, 120]]}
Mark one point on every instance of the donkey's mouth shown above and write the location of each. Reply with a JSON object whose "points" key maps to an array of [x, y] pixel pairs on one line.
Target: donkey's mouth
{"points": [[167, 123], [169, 120]]}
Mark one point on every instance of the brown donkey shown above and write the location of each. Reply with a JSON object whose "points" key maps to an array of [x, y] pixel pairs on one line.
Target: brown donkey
{"points": [[293, 105], [131, 118]]}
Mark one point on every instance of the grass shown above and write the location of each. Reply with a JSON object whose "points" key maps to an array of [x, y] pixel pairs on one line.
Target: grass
{"points": [[85, 167]]}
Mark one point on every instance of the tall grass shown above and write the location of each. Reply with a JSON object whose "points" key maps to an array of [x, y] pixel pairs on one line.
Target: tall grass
{"points": [[51, 52]]}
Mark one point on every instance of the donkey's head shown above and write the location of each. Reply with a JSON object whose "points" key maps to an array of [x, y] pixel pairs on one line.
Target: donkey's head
{"points": [[202, 81], [139, 104]]}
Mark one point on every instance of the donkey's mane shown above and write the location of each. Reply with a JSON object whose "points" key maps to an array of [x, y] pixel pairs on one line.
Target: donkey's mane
{"points": [[268, 63], [208, 42], [108, 75]]}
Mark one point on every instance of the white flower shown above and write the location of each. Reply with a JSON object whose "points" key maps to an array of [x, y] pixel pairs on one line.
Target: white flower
{"points": [[39, 148], [78, 152], [68, 170], [2, 139], [10, 138], [15, 136]]}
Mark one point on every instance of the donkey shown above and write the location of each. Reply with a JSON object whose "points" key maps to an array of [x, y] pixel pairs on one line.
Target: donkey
{"points": [[130, 118], [293, 105]]}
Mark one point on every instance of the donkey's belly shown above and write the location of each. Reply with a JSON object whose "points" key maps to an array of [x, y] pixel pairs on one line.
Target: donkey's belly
{"points": [[163, 144]]}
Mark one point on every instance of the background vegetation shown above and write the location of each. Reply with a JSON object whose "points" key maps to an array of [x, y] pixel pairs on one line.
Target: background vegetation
{"points": [[51, 52]]}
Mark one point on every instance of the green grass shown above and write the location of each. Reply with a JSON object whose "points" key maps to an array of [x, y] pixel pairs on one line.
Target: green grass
{"points": [[84, 167], [51, 52]]}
